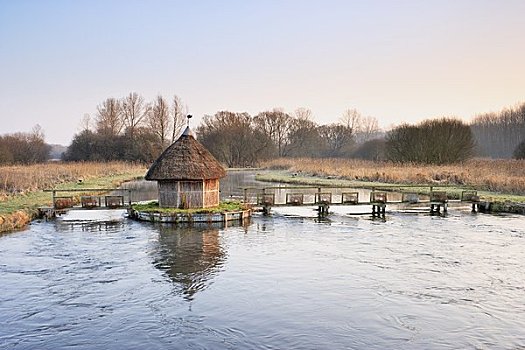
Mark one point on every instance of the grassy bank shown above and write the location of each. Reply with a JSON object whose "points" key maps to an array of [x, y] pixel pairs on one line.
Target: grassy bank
{"points": [[21, 188], [153, 207], [495, 180]]}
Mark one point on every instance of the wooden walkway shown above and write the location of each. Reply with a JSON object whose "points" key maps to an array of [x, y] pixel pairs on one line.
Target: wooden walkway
{"points": [[82, 199], [435, 198]]}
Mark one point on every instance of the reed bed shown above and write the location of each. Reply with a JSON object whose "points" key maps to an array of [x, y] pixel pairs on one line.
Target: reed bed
{"points": [[22, 179], [21, 186], [504, 176]]}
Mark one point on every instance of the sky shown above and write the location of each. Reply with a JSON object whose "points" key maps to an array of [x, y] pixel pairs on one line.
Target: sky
{"points": [[397, 61]]}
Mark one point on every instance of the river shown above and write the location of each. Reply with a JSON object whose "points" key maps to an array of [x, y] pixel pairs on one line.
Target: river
{"points": [[97, 280]]}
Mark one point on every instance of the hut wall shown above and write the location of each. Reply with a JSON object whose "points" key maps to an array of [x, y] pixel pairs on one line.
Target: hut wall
{"points": [[181, 194], [211, 193]]}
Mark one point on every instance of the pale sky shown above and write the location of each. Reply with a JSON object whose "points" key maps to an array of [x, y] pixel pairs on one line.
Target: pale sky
{"points": [[398, 61]]}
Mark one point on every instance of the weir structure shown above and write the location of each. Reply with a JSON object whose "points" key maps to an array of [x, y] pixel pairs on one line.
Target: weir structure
{"points": [[86, 198], [65, 200], [415, 196]]}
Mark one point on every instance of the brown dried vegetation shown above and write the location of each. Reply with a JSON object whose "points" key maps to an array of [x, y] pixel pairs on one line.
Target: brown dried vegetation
{"points": [[20, 179], [505, 176], [21, 186]]}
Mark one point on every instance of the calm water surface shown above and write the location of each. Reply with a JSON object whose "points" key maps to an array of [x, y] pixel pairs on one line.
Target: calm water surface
{"points": [[282, 282]]}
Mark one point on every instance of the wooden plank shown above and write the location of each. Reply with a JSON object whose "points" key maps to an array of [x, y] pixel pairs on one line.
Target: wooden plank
{"points": [[410, 197], [89, 202], [323, 198], [63, 202], [294, 198], [469, 196], [114, 201], [350, 197], [267, 199], [438, 197], [378, 197]]}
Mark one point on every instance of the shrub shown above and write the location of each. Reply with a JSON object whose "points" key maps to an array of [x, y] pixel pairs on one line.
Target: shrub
{"points": [[434, 141], [519, 152], [371, 150]]}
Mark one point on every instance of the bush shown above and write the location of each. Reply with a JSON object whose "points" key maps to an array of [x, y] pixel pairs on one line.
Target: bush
{"points": [[142, 146], [24, 148], [435, 141], [371, 150], [519, 152]]}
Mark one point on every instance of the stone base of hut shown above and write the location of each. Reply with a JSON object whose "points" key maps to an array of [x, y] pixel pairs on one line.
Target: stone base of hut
{"points": [[190, 218]]}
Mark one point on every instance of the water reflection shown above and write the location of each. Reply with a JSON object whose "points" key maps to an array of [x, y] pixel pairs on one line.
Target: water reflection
{"points": [[102, 226], [230, 186], [142, 190], [190, 256]]}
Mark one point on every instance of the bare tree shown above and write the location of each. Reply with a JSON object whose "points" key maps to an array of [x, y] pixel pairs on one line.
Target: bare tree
{"points": [[498, 134], [133, 111], [352, 119], [303, 137], [159, 120], [338, 140], [232, 139], [368, 128], [276, 125], [178, 117], [109, 117], [85, 122], [303, 113], [363, 128]]}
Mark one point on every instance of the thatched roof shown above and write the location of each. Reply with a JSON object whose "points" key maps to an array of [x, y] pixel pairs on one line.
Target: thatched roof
{"points": [[186, 159]]}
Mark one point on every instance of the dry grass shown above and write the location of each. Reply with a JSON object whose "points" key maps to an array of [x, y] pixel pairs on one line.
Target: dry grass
{"points": [[21, 186], [16, 180], [15, 221], [505, 176]]}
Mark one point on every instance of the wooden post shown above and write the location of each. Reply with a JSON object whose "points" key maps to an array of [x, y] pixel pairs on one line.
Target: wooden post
{"points": [[245, 197], [266, 208], [320, 208], [373, 205]]}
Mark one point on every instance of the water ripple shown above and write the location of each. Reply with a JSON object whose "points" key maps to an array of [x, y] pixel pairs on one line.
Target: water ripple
{"points": [[408, 282]]}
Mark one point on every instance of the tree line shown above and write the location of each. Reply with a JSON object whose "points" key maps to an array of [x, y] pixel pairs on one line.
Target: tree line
{"points": [[129, 128], [499, 134], [239, 139], [133, 129], [24, 148]]}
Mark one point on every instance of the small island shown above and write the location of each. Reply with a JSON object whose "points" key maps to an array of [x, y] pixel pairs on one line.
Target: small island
{"points": [[188, 176], [225, 211]]}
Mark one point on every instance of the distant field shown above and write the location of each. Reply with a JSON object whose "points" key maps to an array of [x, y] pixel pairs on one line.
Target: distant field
{"points": [[23, 179], [504, 176], [21, 186]]}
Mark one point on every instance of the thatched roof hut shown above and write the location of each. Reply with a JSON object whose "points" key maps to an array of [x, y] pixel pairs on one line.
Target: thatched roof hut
{"points": [[187, 174]]}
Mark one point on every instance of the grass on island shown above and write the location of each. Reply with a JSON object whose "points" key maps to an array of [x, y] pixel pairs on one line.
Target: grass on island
{"points": [[153, 207], [495, 180], [21, 187]]}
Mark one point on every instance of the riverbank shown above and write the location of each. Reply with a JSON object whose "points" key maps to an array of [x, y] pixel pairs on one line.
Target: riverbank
{"points": [[501, 182], [21, 191]]}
